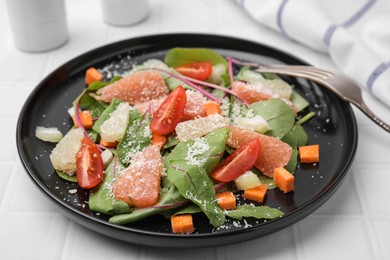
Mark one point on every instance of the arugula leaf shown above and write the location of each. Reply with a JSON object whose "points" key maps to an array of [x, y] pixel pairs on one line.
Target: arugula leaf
{"points": [[179, 56], [191, 208], [277, 114], [101, 198], [260, 212], [137, 137], [106, 114]]}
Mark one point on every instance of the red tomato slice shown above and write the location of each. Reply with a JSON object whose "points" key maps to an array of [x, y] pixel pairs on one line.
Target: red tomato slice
{"points": [[170, 112], [237, 163], [197, 70], [89, 165]]}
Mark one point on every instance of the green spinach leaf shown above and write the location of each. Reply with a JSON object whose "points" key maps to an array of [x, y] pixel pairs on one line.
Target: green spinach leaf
{"points": [[278, 115], [179, 56], [300, 134], [188, 166], [137, 137]]}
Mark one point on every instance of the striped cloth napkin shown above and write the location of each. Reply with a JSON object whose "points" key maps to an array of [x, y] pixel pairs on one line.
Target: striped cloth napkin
{"points": [[355, 33]]}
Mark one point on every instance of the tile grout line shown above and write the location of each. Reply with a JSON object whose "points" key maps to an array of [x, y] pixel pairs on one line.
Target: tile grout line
{"points": [[367, 220], [67, 244], [7, 191]]}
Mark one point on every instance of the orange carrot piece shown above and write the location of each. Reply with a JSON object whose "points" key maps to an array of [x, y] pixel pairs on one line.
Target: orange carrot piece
{"points": [[212, 108], [309, 153], [92, 75], [283, 179], [226, 200], [159, 140], [107, 143], [256, 193], [182, 224], [86, 119]]}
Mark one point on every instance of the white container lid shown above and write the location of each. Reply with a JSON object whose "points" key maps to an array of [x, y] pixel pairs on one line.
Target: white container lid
{"points": [[34, 12], [124, 12]]}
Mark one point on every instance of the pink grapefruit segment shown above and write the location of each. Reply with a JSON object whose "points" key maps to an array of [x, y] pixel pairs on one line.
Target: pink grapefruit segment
{"points": [[139, 184], [194, 107], [251, 93], [274, 153], [138, 87]]}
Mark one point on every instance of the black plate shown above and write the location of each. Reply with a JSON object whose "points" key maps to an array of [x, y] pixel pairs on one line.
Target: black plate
{"points": [[334, 128]]}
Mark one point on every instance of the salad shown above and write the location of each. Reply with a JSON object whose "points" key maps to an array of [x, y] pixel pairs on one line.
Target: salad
{"points": [[191, 134]]}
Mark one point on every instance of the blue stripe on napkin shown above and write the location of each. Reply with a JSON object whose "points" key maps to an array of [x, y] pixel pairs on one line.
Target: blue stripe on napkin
{"points": [[376, 73], [280, 16], [329, 33]]}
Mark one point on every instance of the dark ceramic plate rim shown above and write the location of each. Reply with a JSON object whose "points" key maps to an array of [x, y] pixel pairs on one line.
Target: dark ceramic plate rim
{"points": [[164, 239]]}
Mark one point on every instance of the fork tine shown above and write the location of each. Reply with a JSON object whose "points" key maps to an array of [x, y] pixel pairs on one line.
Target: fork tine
{"points": [[314, 71], [295, 72]]}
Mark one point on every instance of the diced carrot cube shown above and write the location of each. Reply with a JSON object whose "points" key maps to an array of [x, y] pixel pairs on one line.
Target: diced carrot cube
{"points": [[182, 224], [92, 75], [226, 200], [256, 193], [86, 119], [159, 140], [283, 179], [212, 108], [309, 153], [107, 143]]}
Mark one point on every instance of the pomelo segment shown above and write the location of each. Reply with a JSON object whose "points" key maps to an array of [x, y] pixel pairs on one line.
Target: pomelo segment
{"points": [[274, 153], [139, 86], [139, 184], [63, 156], [114, 128], [200, 126]]}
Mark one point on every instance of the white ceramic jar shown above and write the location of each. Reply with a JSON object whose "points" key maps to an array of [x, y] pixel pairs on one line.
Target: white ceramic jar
{"points": [[124, 12], [38, 25]]}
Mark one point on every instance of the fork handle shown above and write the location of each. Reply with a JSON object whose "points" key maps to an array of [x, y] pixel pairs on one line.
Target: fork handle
{"points": [[363, 107]]}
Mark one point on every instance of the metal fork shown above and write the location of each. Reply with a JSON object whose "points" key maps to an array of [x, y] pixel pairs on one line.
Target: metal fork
{"points": [[343, 87]]}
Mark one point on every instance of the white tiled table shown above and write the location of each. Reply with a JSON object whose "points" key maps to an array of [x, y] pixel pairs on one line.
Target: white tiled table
{"points": [[353, 224]]}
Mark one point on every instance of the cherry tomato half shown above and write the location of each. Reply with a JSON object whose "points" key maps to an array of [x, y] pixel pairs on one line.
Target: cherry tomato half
{"points": [[237, 163], [197, 70], [170, 112], [89, 165]]}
